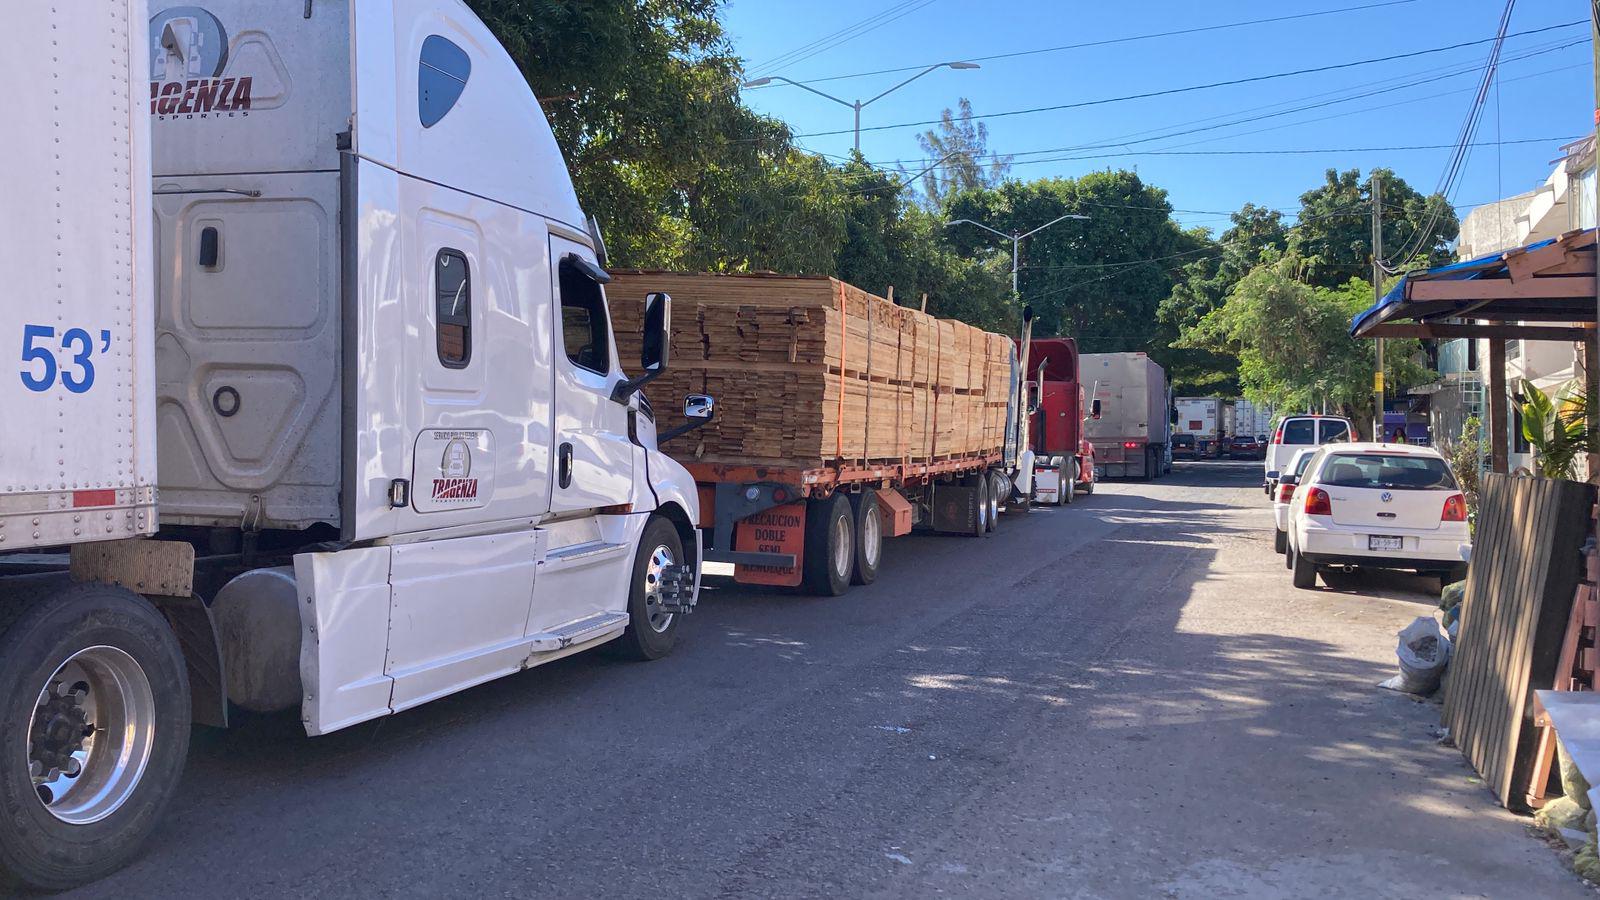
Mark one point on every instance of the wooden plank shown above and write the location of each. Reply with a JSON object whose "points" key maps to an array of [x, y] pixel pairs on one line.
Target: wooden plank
{"points": [[1575, 287]]}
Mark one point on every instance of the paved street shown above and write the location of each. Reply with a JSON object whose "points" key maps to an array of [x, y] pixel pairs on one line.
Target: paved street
{"points": [[1120, 698]]}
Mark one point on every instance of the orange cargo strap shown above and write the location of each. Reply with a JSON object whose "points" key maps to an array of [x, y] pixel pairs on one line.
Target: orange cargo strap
{"points": [[844, 338]]}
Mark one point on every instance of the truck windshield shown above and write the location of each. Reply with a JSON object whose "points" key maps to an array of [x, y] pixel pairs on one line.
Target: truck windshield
{"points": [[1388, 472]]}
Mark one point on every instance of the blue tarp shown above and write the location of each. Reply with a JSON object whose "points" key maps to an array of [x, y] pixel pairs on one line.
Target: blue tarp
{"points": [[1466, 270]]}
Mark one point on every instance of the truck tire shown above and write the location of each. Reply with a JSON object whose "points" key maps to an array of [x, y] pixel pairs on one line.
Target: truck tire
{"points": [[652, 632], [999, 493], [830, 546], [1305, 572], [868, 537], [992, 499], [1068, 477], [129, 684], [979, 509]]}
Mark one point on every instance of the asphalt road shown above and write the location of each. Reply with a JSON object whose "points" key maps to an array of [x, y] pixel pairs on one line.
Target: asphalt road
{"points": [[1121, 698]]}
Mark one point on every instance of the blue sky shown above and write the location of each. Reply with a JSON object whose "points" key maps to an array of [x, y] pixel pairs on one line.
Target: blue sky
{"points": [[1548, 94]]}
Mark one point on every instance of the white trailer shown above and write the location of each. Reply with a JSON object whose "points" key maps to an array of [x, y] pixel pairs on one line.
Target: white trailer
{"points": [[1130, 422], [316, 273], [1201, 417]]}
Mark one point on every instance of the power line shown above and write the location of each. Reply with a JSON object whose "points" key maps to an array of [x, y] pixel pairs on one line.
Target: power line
{"points": [[843, 35], [1123, 40], [1210, 85]]}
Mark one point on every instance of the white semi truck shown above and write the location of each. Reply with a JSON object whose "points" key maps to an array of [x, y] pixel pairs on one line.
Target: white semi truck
{"points": [[315, 387]]}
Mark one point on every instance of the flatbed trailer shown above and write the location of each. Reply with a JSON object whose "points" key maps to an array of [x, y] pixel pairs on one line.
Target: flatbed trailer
{"points": [[823, 527]]}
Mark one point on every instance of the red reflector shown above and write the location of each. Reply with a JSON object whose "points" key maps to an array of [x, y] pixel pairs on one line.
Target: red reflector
{"points": [[1318, 503], [1455, 509], [81, 499]]}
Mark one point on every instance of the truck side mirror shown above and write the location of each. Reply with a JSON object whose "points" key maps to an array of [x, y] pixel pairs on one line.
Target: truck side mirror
{"points": [[654, 350], [698, 409], [1174, 416], [1035, 397], [1094, 408]]}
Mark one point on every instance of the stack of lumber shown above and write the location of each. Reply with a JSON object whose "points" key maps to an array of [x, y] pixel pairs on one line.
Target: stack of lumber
{"points": [[810, 371]]}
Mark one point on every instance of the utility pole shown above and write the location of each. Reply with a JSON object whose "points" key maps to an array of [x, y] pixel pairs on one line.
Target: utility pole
{"points": [[1377, 296], [859, 105]]}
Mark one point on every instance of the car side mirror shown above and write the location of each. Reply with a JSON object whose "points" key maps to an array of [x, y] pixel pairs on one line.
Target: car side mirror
{"points": [[1094, 408], [655, 348], [1273, 475], [698, 409], [1289, 480]]}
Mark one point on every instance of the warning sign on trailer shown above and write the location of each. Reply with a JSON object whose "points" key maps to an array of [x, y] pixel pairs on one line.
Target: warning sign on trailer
{"points": [[781, 529]]}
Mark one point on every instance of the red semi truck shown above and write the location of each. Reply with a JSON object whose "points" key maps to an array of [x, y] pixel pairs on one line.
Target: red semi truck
{"points": [[1063, 461]]}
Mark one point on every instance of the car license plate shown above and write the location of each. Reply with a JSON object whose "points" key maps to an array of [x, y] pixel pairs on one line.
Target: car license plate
{"points": [[1381, 542]]}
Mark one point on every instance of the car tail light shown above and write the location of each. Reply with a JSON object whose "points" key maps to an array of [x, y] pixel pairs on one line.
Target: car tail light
{"points": [[1455, 509], [1285, 493], [1130, 445], [1318, 503], [1277, 436]]}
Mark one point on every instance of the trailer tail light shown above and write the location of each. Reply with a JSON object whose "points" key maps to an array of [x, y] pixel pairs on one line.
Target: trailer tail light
{"points": [[1285, 493], [1455, 509], [1130, 445], [1318, 503]]}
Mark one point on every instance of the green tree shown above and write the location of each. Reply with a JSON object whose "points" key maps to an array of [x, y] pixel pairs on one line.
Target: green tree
{"points": [[1293, 344], [1334, 229], [958, 153], [1100, 280]]}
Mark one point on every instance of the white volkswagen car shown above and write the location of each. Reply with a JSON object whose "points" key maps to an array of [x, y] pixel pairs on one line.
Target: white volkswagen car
{"points": [[1383, 506], [1284, 493]]}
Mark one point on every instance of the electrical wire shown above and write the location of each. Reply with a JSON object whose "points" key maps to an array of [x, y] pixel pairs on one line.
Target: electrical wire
{"points": [[1166, 92], [843, 36], [1121, 40]]}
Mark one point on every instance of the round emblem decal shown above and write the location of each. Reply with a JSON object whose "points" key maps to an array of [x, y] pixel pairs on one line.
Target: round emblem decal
{"points": [[1386, 496]]}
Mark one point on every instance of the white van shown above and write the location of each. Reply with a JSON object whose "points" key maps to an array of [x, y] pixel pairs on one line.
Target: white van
{"points": [[1296, 432]]}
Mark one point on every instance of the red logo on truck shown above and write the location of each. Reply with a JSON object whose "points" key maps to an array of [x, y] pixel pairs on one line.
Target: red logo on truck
{"points": [[203, 97]]}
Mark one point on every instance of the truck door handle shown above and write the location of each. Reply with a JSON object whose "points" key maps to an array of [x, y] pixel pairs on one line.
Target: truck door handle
{"points": [[564, 466]]}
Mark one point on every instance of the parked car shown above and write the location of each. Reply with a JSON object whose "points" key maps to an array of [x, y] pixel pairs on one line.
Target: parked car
{"points": [[1284, 493], [1183, 447], [1246, 446], [1294, 432], [1381, 506]]}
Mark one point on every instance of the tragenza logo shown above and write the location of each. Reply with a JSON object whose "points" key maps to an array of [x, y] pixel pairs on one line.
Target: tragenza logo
{"points": [[188, 53], [455, 470]]}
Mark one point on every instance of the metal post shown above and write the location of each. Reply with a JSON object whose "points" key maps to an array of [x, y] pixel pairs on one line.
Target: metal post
{"points": [[1016, 256], [857, 106], [1377, 296], [1499, 414]]}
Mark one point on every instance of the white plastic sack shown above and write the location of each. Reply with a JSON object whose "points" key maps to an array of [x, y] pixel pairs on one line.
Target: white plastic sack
{"points": [[1424, 651]]}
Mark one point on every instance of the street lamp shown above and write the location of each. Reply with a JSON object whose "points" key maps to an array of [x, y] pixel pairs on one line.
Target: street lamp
{"points": [[1016, 238], [859, 104]]}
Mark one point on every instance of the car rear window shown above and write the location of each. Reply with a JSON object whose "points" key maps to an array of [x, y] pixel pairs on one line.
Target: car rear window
{"points": [[1183, 439], [1388, 471], [1334, 430], [1300, 431], [1300, 467]]}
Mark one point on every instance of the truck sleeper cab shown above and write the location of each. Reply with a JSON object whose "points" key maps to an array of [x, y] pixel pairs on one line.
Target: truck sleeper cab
{"points": [[396, 450]]}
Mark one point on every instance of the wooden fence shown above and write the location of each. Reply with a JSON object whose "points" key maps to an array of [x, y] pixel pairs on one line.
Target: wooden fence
{"points": [[1525, 568]]}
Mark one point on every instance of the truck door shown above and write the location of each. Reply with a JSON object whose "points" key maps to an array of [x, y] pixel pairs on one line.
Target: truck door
{"points": [[593, 461]]}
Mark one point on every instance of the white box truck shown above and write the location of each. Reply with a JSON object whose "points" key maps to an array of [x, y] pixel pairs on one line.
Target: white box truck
{"points": [[1130, 421], [317, 392], [1201, 417]]}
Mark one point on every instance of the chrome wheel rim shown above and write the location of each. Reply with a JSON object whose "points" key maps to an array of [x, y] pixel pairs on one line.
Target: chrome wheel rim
{"points": [[983, 513], [660, 558], [994, 503], [871, 539], [93, 731], [841, 546]]}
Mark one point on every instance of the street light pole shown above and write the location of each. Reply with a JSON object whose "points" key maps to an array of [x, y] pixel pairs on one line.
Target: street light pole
{"points": [[1016, 238], [858, 105]]}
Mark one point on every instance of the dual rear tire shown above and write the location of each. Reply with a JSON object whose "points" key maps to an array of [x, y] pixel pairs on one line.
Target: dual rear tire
{"points": [[843, 543]]}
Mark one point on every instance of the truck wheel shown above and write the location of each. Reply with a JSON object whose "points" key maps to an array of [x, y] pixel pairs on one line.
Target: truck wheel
{"points": [[1088, 483], [830, 546], [94, 731], [1305, 572], [999, 494], [978, 510], [652, 632], [992, 501], [869, 537]]}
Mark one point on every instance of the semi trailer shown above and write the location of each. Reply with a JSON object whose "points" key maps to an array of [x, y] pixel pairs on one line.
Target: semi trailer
{"points": [[1132, 434], [843, 420], [1202, 418], [318, 404]]}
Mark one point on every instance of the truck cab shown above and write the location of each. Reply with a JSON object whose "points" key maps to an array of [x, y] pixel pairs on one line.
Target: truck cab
{"points": [[377, 390]]}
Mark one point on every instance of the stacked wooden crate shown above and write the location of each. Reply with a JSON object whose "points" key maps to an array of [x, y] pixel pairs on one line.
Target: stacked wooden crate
{"points": [[808, 371]]}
